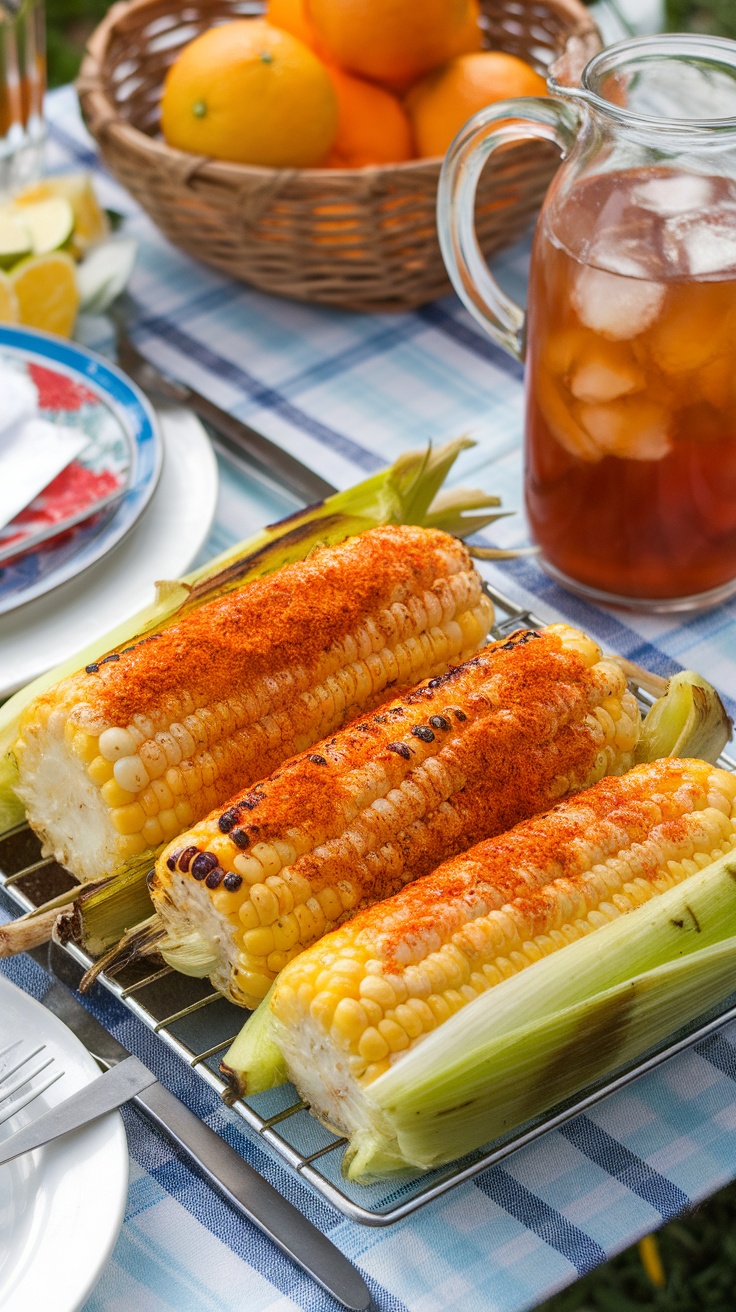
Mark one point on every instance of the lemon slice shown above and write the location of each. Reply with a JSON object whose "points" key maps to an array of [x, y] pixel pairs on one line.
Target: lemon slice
{"points": [[15, 241], [9, 310], [47, 292]]}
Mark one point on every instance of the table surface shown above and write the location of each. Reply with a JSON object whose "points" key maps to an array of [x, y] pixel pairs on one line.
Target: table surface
{"points": [[347, 393]]}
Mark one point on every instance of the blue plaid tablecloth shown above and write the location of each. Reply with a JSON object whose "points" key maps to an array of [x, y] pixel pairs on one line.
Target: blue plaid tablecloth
{"points": [[346, 394]]}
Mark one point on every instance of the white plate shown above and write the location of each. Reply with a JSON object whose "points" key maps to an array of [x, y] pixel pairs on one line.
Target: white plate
{"points": [[62, 1206], [161, 546]]}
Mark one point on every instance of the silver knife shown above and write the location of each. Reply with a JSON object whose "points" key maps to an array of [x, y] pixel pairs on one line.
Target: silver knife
{"points": [[105, 1094], [222, 1166]]}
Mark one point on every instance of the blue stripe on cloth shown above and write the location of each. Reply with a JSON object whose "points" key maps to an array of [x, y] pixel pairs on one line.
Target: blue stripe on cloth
{"points": [[261, 393], [632, 1171], [476, 342], [82, 154], [245, 1239], [720, 1053], [582, 1252]]}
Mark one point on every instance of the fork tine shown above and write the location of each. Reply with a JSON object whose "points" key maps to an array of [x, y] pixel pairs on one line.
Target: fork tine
{"points": [[25, 1079], [32, 1093], [7, 1073]]}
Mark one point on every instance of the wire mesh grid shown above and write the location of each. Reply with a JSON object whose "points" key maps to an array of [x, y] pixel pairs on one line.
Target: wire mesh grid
{"points": [[198, 1024]]}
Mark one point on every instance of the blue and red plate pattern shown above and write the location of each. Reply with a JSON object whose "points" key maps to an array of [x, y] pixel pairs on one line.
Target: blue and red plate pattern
{"points": [[122, 461]]}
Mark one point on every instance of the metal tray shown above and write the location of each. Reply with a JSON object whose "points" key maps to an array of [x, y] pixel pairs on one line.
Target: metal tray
{"points": [[198, 1024]]}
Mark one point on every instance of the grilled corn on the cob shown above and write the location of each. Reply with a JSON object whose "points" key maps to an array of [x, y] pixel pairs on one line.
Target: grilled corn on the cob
{"points": [[117, 759], [358, 1004], [463, 756]]}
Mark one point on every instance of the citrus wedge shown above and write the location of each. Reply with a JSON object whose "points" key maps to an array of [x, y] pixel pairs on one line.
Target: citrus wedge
{"points": [[50, 223], [9, 312], [90, 221], [15, 240], [47, 292]]}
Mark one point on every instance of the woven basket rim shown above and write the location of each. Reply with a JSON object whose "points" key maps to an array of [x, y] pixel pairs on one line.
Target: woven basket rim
{"points": [[110, 121]]}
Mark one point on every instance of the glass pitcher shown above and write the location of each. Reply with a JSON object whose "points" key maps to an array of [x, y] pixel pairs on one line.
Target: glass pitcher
{"points": [[630, 332]]}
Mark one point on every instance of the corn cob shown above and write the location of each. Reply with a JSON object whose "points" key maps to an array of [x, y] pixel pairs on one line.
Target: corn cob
{"points": [[355, 1006], [117, 759], [462, 756]]}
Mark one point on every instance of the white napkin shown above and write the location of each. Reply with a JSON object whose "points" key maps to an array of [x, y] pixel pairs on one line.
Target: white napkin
{"points": [[32, 450], [18, 398]]}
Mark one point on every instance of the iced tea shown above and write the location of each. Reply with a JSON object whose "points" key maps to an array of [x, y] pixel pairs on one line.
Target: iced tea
{"points": [[631, 384]]}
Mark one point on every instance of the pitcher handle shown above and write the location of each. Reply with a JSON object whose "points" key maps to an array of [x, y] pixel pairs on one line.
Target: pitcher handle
{"points": [[498, 125]]}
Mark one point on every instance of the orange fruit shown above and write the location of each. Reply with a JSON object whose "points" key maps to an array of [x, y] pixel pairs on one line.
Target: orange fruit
{"points": [[393, 41], [250, 93], [441, 103], [289, 15], [372, 126]]}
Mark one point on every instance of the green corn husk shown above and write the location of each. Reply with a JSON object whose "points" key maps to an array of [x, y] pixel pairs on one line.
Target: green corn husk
{"points": [[405, 493], [690, 720], [542, 1035]]}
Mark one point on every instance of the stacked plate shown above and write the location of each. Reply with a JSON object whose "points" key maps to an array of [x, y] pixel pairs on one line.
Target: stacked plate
{"points": [[84, 553]]}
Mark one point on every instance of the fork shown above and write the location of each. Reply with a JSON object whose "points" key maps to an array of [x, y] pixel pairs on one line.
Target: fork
{"points": [[14, 1067]]}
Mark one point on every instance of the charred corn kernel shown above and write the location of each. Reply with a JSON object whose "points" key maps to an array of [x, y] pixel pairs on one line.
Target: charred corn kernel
{"points": [[177, 710], [483, 917], [349, 821]]}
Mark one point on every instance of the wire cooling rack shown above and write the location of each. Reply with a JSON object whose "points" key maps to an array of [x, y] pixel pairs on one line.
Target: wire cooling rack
{"points": [[198, 1024]]}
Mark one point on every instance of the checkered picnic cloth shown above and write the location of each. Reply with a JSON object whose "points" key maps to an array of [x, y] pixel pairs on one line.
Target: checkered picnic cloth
{"points": [[347, 393]]}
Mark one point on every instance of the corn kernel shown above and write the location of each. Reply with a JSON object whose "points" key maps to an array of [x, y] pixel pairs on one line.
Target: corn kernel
{"points": [[259, 942], [248, 915], [131, 845], [395, 1037], [152, 832], [131, 773], [113, 795], [99, 771], [265, 904], [128, 819], [372, 1045]]}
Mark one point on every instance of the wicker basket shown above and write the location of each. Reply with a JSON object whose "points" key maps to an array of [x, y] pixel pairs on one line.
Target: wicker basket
{"points": [[362, 239]]}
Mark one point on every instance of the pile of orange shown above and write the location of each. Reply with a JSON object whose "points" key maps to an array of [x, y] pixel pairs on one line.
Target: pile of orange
{"points": [[337, 83]]}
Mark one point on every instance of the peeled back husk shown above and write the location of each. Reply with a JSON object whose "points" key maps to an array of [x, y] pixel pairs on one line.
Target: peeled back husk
{"points": [[690, 720], [546, 1033]]}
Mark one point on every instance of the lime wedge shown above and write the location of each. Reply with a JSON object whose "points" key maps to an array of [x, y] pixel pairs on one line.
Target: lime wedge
{"points": [[90, 221], [15, 241], [50, 223]]}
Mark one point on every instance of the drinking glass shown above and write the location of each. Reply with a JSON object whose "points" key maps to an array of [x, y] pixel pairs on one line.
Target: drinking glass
{"points": [[22, 85], [630, 332]]}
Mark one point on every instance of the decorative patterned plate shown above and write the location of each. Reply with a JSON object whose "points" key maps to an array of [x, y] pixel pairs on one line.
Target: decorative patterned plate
{"points": [[124, 455]]}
